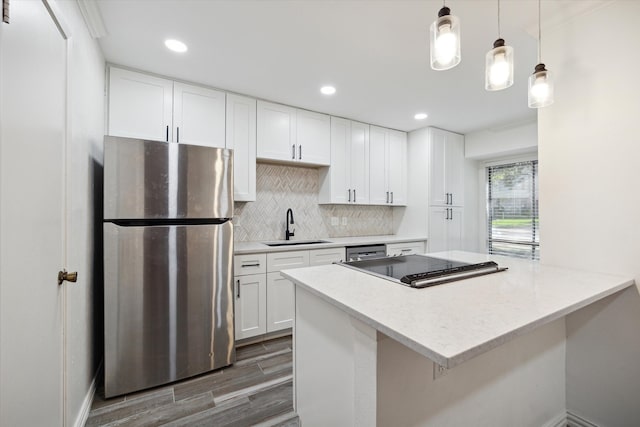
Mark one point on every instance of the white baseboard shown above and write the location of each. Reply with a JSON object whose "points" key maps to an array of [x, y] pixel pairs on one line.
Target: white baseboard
{"points": [[558, 421], [81, 419], [574, 420]]}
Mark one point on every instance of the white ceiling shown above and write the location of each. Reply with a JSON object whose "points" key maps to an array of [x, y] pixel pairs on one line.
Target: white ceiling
{"points": [[376, 53]]}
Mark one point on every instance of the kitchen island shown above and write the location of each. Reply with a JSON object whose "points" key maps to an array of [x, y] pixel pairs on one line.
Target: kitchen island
{"points": [[483, 351]]}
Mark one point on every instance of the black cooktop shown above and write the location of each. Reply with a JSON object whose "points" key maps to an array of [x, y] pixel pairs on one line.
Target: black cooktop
{"points": [[421, 271]]}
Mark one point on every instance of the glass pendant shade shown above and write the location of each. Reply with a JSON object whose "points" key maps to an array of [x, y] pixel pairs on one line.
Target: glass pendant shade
{"points": [[444, 40], [540, 87], [499, 67]]}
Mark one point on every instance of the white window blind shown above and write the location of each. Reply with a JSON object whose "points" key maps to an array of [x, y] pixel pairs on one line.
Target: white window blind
{"points": [[512, 210]]}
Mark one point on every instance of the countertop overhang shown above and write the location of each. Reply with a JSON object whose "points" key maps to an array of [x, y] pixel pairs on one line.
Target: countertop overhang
{"points": [[457, 321]]}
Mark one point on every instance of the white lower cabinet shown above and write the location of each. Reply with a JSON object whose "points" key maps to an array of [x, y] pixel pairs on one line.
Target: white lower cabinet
{"points": [[445, 228], [250, 308], [280, 302], [408, 248], [264, 300]]}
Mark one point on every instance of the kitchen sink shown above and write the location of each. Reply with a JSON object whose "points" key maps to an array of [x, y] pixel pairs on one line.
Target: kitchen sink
{"points": [[295, 242]]}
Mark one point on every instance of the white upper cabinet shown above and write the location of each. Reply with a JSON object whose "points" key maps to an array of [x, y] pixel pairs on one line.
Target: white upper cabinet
{"points": [[149, 107], [313, 138], [198, 115], [291, 135], [276, 132], [447, 168], [241, 137], [140, 106], [347, 180], [388, 167]]}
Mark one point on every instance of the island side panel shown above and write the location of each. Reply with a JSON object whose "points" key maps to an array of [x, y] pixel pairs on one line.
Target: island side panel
{"points": [[521, 383], [335, 360]]}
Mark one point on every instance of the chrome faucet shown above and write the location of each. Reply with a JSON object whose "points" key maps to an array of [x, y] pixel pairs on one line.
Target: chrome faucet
{"points": [[288, 233]]}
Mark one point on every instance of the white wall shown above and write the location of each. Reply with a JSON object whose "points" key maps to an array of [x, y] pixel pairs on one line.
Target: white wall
{"points": [[589, 152], [507, 140], [86, 71]]}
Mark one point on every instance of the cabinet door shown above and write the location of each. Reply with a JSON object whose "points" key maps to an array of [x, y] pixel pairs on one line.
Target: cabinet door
{"points": [[140, 106], [313, 137], [437, 163], [455, 168], [397, 167], [276, 137], [326, 256], [378, 192], [455, 229], [241, 138], [280, 302], [438, 224], [358, 163], [339, 170], [250, 305], [198, 115]]}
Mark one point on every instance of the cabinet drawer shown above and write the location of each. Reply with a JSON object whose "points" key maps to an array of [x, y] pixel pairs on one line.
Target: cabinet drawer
{"points": [[249, 264], [409, 248], [277, 261], [326, 256]]}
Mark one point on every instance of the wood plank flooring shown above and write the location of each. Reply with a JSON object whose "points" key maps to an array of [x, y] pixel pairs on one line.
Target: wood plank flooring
{"points": [[256, 390]]}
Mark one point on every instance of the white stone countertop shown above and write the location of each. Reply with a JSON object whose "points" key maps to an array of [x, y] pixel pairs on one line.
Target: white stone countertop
{"points": [[332, 242], [454, 322]]}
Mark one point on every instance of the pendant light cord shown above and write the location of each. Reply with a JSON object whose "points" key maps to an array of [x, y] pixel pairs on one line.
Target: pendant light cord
{"points": [[539, 36], [499, 19]]}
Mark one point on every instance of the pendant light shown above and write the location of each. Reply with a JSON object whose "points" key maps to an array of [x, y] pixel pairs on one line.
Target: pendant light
{"points": [[444, 40], [541, 81], [499, 64]]}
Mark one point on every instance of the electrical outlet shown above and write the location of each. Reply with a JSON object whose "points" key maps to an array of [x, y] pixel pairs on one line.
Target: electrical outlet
{"points": [[335, 221], [439, 371], [344, 220]]}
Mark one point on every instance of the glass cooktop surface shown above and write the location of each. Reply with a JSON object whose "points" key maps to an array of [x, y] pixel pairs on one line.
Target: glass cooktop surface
{"points": [[422, 271]]}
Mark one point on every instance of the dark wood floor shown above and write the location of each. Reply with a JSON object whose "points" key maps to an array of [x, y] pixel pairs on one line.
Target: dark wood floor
{"points": [[256, 390]]}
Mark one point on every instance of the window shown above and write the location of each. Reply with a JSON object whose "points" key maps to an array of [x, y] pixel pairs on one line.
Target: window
{"points": [[512, 210]]}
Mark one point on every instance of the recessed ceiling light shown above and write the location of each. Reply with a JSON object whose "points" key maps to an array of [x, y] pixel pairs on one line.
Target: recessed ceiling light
{"points": [[421, 116], [175, 45], [328, 90]]}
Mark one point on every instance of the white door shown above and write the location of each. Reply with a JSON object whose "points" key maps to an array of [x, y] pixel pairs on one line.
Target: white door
{"points": [[198, 115], [32, 211], [280, 302], [437, 163], [140, 106], [241, 138], [397, 167], [340, 185], [250, 305], [455, 169], [359, 162], [438, 224], [313, 137], [378, 191], [276, 132]]}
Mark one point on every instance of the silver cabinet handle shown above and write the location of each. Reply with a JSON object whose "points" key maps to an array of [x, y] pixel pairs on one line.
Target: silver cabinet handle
{"points": [[387, 197], [251, 265], [349, 194], [299, 152], [354, 195], [293, 151], [392, 197], [238, 289]]}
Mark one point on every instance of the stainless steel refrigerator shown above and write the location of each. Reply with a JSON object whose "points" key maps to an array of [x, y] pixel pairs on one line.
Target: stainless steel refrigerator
{"points": [[168, 260]]}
